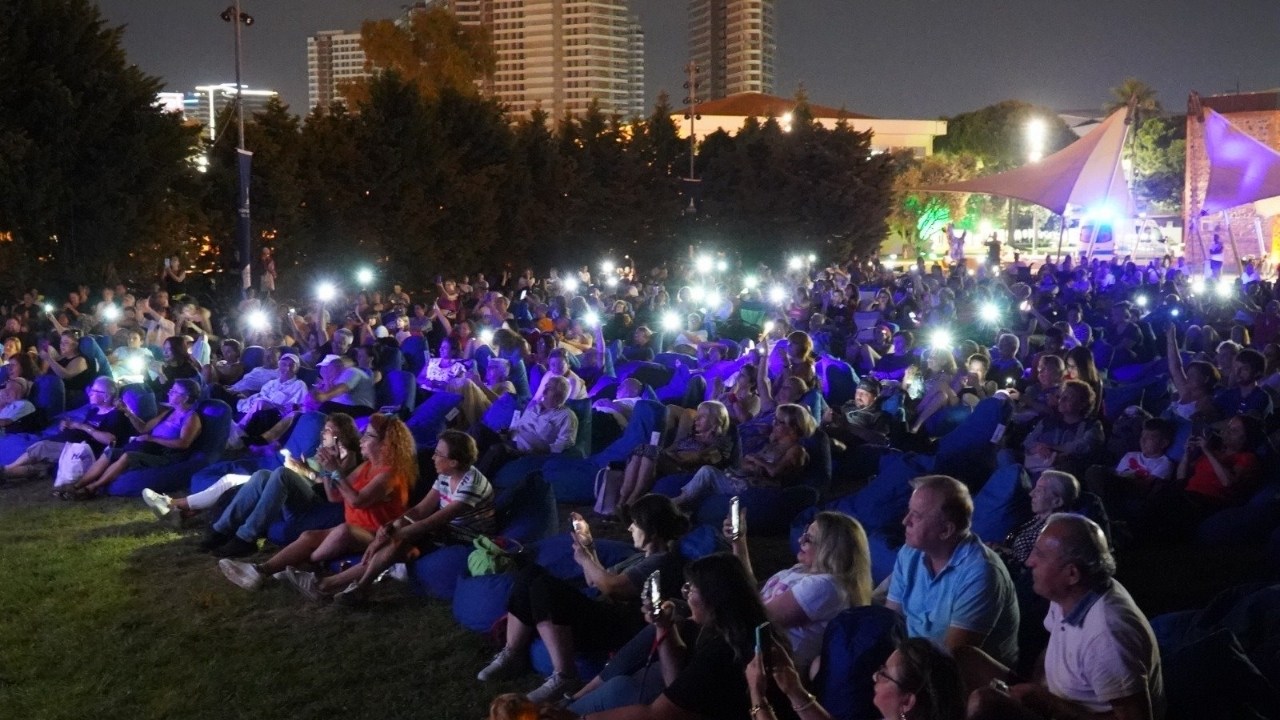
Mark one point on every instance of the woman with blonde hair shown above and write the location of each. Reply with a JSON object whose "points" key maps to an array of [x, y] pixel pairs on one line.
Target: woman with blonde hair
{"points": [[832, 573], [939, 386], [375, 493], [709, 443]]}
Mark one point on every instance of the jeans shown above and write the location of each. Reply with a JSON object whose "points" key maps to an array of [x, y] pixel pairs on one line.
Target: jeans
{"points": [[261, 500], [627, 680]]}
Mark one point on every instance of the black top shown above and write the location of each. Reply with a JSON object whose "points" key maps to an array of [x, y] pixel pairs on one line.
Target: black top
{"points": [[76, 384], [112, 421], [713, 684]]}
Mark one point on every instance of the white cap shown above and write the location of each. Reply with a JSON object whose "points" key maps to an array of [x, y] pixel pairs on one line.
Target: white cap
{"points": [[328, 359]]}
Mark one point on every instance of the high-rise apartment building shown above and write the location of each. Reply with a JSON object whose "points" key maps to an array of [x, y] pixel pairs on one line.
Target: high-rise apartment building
{"points": [[557, 55], [333, 57], [733, 43]]}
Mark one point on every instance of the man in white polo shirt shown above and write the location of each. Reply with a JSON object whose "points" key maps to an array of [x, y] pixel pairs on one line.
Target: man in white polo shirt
{"points": [[1102, 660]]}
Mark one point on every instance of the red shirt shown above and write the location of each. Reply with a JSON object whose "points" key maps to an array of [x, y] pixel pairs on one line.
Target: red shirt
{"points": [[1204, 481], [372, 517]]}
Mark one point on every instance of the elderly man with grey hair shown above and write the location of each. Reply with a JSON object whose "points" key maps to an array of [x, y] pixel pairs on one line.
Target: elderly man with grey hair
{"points": [[544, 427], [1102, 660], [1054, 491]]}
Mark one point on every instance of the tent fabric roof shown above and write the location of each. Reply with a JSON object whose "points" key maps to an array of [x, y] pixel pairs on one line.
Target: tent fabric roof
{"points": [[1242, 169], [752, 104], [1086, 173]]}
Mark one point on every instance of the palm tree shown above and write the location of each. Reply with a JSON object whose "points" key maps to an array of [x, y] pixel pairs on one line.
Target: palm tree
{"points": [[1144, 96]]}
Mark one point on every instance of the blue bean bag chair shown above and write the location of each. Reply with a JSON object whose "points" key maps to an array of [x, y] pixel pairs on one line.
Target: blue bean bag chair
{"points": [[432, 417], [215, 426], [840, 382], [498, 417], [478, 602], [253, 357], [966, 453], [515, 470], [292, 524], [652, 374], [436, 574], [589, 664], [1003, 504], [49, 395], [1248, 524], [856, 644], [674, 391], [399, 388], [414, 352], [140, 399], [574, 478], [883, 502]]}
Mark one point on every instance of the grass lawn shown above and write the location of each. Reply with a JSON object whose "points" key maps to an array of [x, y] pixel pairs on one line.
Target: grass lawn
{"points": [[107, 614]]}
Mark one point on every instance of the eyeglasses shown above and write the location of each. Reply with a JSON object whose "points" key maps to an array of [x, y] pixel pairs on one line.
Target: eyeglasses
{"points": [[686, 589], [882, 674], [443, 456]]}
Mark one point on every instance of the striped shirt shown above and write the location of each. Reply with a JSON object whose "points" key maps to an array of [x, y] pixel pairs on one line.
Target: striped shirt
{"points": [[473, 490]]}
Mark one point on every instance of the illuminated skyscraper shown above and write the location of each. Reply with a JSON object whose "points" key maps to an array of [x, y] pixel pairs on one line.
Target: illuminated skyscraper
{"points": [[733, 43]]}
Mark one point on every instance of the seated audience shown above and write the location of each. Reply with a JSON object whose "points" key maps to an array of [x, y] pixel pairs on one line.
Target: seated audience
{"points": [[544, 427], [103, 424]]}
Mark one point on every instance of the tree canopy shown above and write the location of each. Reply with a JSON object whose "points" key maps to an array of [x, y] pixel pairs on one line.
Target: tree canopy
{"points": [[996, 135], [92, 172]]}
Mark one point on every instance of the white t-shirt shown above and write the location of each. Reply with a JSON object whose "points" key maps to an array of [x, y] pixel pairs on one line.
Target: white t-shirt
{"points": [[818, 596], [1135, 464], [17, 410]]}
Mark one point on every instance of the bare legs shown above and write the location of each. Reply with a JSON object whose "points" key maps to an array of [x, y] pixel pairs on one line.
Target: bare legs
{"points": [[316, 546]]}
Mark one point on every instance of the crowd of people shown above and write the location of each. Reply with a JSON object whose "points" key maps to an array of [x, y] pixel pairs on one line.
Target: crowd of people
{"points": [[925, 345]]}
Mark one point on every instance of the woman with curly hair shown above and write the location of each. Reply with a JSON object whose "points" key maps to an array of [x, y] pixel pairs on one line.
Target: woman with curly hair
{"points": [[374, 494]]}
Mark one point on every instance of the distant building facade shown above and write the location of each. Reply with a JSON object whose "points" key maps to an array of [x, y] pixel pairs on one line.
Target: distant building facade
{"points": [[887, 134], [734, 45], [557, 55]]}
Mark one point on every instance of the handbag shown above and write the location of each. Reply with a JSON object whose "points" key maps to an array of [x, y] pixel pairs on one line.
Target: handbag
{"points": [[73, 463], [489, 557], [607, 488]]}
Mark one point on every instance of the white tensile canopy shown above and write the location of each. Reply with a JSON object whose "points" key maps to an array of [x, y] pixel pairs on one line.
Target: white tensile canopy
{"points": [[1085, 174], [1242, 169]]}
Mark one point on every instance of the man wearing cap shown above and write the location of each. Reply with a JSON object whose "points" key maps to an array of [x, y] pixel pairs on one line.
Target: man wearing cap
{"points": [[860, 420], [278, 396], [343, 387], [14, 405]]}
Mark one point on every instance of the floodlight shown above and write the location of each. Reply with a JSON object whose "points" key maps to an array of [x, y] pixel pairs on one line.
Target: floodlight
{"points": [[48, 307], [1223, 289], [769, 325], [611, 281], [1142, 301], [813, 258], [608, 266], [364, 276], [713, 299], [1198, 286], [697, 293], [136, 364]]}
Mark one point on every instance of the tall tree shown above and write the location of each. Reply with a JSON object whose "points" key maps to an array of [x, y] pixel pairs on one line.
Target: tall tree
{"points": [[1146, 104], [433, 52], [1159, 149], [997, 134], [88, 163]]}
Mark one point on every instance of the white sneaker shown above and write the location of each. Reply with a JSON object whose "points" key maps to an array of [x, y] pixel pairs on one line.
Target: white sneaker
{"points": [[244, 574], [161, 505], [398, 571], [507, 663], [305, 583], [555, 687]]}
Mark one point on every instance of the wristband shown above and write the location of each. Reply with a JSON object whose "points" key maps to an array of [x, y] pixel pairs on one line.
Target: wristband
{"points": [[808, 704], [762, 706]]}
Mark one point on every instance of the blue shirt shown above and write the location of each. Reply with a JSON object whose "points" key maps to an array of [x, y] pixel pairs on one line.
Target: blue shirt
{"points": [[973, 592]]}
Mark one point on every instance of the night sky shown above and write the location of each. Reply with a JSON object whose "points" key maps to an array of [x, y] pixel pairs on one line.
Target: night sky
{"points": [[891, 58]]}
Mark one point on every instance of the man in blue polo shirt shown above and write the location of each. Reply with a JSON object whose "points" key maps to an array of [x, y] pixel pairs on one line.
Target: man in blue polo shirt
{"points": [[948, 586]]}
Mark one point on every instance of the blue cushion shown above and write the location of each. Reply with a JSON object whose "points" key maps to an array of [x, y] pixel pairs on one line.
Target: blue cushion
{"points": [[215, 426], [555, 554], [304, 439], [582, 444], [498, 417], [966, 453], [883, 502], [1003, 503], [431, 417], [701, 541], [478, 602], [398, 388], [49, 395], [414, 351], [436, 574], [253, 357], [841, 381], [1212, 677], [527, 511], [572, 479], [315, 517], [770, 509], [1245, 525], [673, 392], [140, 399], [205, 477], [855, 645]]}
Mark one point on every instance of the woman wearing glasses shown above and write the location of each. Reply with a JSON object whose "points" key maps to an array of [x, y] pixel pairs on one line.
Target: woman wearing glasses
{"points": [[160, 441], [295, 486], [919, 681], [832, 573], [374, 494]]}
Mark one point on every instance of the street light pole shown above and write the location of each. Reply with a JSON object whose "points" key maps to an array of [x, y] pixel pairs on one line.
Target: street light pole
{"points": [[1036, 131], [244, 158], [692, 101]]}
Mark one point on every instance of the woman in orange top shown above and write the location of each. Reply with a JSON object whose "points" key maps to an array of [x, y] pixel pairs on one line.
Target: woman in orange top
{"points": [[375, 493]]}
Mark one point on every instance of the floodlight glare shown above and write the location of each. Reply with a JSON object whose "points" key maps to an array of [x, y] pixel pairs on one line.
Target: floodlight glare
{"points": [[1198, 286], [607, 266], [989, 312], [1142, 301], [1223, 289], [671, 322], [611, 281], [795, 263], [111, 313], [258, 321], [591, 319], [364, 276], [703, 264], [940, 339], [750, 282], [325, 292], [486, 336], [1174, 312], [713, 299], [722, 266], [769, 325], [697, 293], [777, 294], [136, 364], [813, 258], [48, 307], [570, 284]]}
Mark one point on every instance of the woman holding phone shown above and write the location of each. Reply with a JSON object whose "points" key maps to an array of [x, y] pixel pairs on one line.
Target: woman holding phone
{"points": [[832, 573], [295, 486], [374, 494], [698, 671], [568, 620]]}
